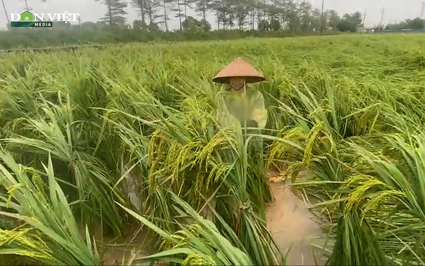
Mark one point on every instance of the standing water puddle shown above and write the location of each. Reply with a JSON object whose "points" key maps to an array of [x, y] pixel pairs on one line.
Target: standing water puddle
{"points": [[289, 220], [293, 228]]}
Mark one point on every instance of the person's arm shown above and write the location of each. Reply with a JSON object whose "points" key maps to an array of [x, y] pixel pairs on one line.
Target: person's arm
{"points": [[258, 112], [221, 103], [224, 115]]}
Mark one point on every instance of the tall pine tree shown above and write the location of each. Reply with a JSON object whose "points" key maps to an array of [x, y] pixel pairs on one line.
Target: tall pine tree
{"points": [[115, 16]]}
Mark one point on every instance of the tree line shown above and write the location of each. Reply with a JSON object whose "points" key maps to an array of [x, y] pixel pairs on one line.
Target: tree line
{"points": [[409, 24], [233, 19], [242, 15], [231, 14]]}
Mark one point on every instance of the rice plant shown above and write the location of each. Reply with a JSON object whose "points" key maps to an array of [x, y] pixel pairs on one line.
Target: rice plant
{"points": [[129, 135]]}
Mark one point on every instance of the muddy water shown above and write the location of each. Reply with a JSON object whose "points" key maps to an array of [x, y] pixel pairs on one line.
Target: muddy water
{"points": [[288, 218], [135, 244], [293, 227]]}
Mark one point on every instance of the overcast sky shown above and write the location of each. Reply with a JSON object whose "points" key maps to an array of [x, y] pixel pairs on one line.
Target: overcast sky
{"points": [[90, 10]]}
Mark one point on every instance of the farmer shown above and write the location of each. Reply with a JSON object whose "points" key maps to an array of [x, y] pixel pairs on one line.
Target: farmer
{"points": [[246, 107], [243, 108], [239, 104]]}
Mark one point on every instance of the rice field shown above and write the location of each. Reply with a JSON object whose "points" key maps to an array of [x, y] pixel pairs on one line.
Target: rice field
{"points": [[106, 146]]}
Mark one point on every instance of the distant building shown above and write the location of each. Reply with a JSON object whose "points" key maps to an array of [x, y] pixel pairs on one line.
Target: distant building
{"points": [[361, 29]]}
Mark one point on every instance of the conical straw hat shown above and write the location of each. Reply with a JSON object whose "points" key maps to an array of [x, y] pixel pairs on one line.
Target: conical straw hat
{"points": [[239, 68]]}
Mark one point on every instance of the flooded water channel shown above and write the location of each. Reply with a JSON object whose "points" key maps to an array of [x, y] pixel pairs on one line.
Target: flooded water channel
{"points": [[289, 220], [293, 228]]}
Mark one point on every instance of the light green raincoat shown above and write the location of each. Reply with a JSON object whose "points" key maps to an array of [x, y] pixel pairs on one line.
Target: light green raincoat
{"points": [[234, 108]]}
